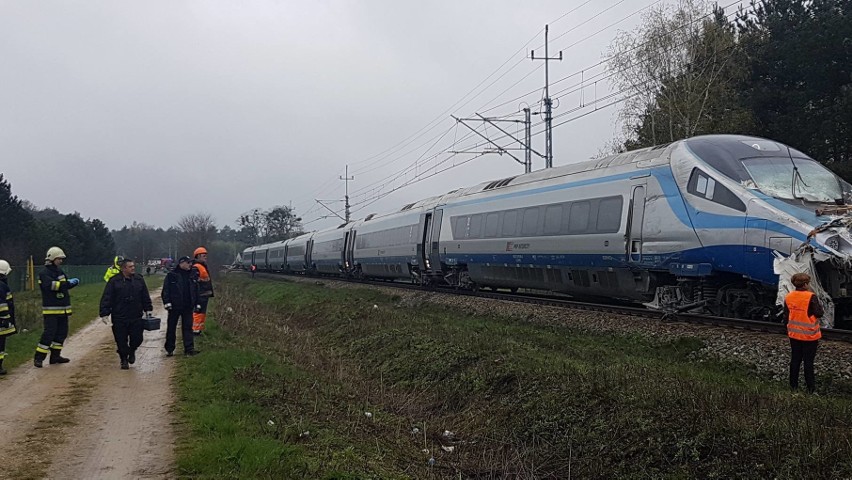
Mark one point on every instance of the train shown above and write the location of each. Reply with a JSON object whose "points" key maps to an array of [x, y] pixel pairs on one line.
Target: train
{"points": [[699, 223]]}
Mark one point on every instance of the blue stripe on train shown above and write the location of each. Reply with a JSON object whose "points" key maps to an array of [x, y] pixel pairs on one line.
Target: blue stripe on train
{"points": [[756, 265], [684, 212]]}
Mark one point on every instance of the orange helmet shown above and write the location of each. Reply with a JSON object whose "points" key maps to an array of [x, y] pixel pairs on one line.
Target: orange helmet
{"points": [[198, 251]]}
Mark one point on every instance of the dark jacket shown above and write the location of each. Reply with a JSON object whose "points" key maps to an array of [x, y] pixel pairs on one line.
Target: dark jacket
{"points": [[180, 289], [125, 298], [54, 290]]}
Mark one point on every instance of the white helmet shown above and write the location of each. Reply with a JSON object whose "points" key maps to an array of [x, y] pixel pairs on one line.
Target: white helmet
{"points": [[53, 253], [5, 268]]}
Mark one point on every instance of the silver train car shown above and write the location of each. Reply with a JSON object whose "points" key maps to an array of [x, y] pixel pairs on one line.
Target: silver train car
{"points": [[695, 222]]}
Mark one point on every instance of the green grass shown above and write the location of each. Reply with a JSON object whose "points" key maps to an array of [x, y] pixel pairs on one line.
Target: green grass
{"points": [[85, 300], [523, 399]]}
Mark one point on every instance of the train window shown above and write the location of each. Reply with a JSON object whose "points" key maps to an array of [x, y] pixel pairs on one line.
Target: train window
{"points": [[609, 215], [510, 223], [702, 185], [459, 225], [492, 225], [530, 225], [579, 221], [553, 220], [475, 227]]}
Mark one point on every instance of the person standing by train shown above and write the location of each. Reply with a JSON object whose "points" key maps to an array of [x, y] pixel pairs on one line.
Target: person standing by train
{"points": [[7, 311], [803, 313], [201, 274], [180, 296], [126, 298], [56, 307]]}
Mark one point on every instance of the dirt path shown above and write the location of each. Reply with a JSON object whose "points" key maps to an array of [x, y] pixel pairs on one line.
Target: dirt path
{"points": [[89, 419]]}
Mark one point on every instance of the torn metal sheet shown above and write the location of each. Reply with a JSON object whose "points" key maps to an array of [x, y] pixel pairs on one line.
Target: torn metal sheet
{"points": [[803, 260]]}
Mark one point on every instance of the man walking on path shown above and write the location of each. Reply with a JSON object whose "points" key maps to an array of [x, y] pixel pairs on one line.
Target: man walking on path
{"points": [[126, 297], [7, 311], [180, 297], [205, 289], [56, 307]]}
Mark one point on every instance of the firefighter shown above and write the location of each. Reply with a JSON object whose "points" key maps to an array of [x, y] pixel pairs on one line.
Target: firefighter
{"points": [[7, 311], [180, 296], [125, 298], [114, 269], [56, 307], [205, 289], [803, 313]]}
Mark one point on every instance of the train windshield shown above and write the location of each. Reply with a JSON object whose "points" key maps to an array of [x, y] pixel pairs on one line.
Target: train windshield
{"points": [[794, 178]]}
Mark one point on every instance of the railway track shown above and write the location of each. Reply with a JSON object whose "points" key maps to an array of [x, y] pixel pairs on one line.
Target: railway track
{"points": [[834, 334]]}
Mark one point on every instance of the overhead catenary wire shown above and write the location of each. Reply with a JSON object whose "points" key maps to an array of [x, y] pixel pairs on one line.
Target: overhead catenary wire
{"points": [[442, 117], [570, 89]]}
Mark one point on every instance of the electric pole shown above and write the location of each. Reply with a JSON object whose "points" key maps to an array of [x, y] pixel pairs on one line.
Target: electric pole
{"points": [[527, 141], [548, 117], [527, 163], [346, 179]]}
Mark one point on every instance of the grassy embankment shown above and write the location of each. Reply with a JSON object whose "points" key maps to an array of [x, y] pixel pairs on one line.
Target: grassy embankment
{"points": [[290, 371], [85, 300]]}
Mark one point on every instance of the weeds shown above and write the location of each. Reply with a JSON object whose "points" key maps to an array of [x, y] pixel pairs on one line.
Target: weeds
{"points": [[518, 400]]}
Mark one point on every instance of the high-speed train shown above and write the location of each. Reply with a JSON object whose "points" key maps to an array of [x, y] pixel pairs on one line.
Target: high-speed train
{"points": [[695, 221]]}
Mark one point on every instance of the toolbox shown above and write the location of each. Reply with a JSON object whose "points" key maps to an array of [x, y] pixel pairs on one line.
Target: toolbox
{"points": [[151, 323]]}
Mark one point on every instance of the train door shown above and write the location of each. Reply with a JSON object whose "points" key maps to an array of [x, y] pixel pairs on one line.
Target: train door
{"points": [[434, 241], [756, 258], [348, 245], [308, 247], [286, 264], [636, 217], [425, 241]]}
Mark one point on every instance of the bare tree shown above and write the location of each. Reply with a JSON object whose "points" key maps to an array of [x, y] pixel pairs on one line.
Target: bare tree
{"points": [[668, 67], [196, 229]]}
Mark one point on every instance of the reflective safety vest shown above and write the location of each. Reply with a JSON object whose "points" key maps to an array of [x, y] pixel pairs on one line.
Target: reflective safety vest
{"points": [[800, 326], [205, 285]]}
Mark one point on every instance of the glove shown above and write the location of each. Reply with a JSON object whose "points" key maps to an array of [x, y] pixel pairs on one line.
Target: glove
{"points": [[104, 319], [74, 282], [197, 309], [168, 306]]}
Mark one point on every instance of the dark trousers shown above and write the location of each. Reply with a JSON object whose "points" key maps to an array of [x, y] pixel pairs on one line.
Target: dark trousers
{"points": [[55, 332], [128, 336], [3, 346], [185, 318], [803, 350]]}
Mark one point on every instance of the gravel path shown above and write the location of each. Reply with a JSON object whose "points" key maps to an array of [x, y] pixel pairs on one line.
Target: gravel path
{"points": [[768, 353]]}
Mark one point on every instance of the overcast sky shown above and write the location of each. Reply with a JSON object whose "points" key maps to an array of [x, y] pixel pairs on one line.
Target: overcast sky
{"points": [[150, 110]]}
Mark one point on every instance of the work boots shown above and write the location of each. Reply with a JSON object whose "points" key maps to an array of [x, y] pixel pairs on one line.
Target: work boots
{"points": [[2, 372], [131, 359], [39, 359], [56, 357]]}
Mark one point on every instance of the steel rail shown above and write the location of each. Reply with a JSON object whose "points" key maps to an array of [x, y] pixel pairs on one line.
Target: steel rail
{"points": [[833, 334]]}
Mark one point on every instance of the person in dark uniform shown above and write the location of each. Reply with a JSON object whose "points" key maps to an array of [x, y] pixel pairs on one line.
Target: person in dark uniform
{"points": [[126, 299], [180, 296], [7, 311], [56, 307]]}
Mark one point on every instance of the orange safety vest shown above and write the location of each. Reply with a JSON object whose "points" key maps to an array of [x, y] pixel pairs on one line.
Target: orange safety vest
{"points": [[800, 326], [203, 276]]}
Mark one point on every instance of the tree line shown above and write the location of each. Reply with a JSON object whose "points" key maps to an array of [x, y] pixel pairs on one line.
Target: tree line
{"points": [[29, 231], [26, 230], [780, 69]]}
